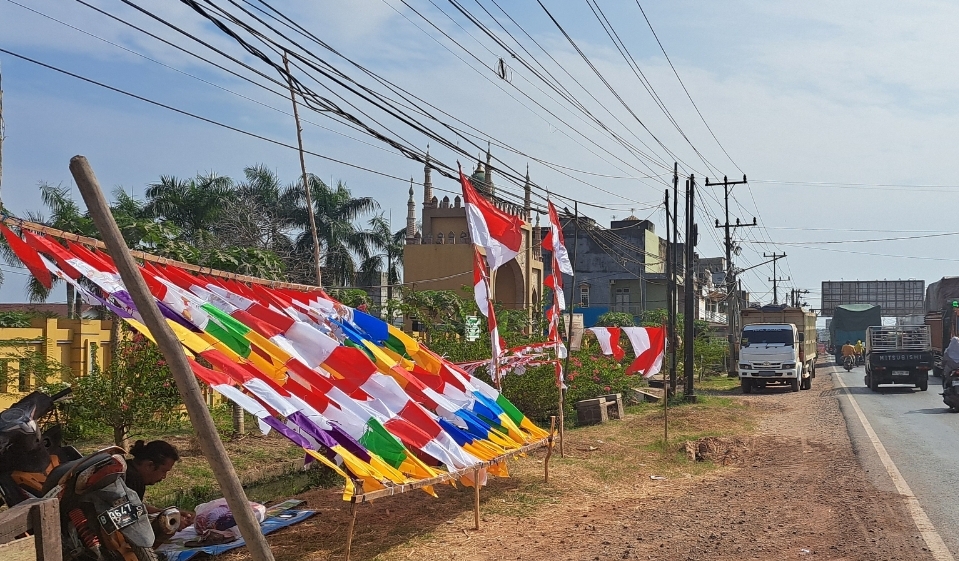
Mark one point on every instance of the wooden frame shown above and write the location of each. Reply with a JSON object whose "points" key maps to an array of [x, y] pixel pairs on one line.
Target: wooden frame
{"points": [[360, 498], [42, 517]]}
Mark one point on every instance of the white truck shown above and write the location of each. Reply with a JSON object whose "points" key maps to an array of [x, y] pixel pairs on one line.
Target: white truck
{"points": [[777, 346]]}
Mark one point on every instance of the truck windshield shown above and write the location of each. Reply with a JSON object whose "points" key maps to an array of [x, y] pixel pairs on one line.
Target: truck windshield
{"points": [[767, 337]]}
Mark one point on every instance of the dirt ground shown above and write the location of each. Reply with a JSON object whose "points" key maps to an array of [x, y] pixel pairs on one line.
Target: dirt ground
{"points": [[790, 488]]}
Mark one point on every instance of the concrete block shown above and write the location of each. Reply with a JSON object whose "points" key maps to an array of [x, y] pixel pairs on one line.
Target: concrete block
{"points": [[591, 411], [614, 406]]}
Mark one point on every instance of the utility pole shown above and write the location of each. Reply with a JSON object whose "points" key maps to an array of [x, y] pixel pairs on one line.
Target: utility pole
{"points": [[674, 303], [775, 280], [670, 310], [569, 329], [689, 322], [306, 183], [732, 295], [796, 296]]}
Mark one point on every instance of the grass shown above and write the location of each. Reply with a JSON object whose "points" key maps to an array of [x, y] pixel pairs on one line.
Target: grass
{"points": [[718, 383]]}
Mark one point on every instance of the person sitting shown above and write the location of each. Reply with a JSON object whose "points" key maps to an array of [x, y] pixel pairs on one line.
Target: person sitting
{"points": [[150, 465], [860, 351], [848, 351]]}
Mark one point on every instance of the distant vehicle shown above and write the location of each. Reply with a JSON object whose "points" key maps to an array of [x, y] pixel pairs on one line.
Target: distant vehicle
{"points": [[849, 323], [847, 363], [898, 355], [942, 313], [777, 346]]}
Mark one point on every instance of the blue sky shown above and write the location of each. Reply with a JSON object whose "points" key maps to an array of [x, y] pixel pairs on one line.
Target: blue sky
{"points": [[841, 114]]}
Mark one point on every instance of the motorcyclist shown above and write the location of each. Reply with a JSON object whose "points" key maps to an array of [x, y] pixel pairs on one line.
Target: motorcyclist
{"points": [[860, 349], [848, 350], [950, 362]]}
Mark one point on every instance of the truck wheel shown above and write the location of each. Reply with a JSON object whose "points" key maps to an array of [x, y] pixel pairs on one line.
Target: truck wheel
{"points": [[923, 384], [747, 385], [794, 384], [806, 384]]}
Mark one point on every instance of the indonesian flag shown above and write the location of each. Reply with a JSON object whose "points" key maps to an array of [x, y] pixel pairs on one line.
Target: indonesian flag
{"points": [[608, 338], [481, 295], [555, 283], [499, 233], [649, 344], [554, 242]]}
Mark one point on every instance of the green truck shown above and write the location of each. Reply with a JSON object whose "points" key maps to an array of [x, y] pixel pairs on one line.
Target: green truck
{"points": [[849, 323]]}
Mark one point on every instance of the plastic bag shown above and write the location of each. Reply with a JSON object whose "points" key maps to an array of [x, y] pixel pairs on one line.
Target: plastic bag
{"points": [[216, 515]]}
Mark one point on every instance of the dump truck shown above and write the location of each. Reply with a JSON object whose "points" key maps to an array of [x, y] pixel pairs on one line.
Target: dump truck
{"points": [[942, 314], [777, 346], [900, 354], [849, 323]]}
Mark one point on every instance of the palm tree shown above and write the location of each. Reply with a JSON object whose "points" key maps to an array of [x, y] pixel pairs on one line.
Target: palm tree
{"points": [[194, 205], [335, 211], [258, 214], [386, 248]]}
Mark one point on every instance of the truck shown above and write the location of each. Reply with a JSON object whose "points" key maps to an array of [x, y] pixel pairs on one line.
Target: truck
{"points": [[777, 346], [942, 314], [899, 354], [849, 323]]}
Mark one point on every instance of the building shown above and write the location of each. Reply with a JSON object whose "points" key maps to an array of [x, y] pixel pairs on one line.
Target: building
{"points": [[621, 268], [438, 254], [74, 343]]}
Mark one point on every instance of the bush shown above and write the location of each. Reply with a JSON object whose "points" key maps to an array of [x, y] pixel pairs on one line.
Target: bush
{"points": [[615, 319]]}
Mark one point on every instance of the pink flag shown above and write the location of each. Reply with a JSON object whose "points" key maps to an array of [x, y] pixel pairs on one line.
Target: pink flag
{"points": [[499, 233]]}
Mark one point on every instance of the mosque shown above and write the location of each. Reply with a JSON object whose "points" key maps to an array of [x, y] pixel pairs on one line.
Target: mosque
{"points": [[439, 254]]}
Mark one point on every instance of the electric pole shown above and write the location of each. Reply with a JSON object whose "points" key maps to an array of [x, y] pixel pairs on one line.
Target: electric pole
{"points": [[674, 303], [692, 235], [775, 280], [732, 295]]}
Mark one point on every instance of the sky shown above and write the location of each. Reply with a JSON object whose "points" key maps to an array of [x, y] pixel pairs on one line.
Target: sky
{"points": [[841, 115]]}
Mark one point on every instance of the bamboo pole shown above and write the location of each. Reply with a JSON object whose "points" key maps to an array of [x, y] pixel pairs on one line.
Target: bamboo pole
{"points": [[306, 184], [549, 448], [476, 499], [350, 529], [210, 443]]}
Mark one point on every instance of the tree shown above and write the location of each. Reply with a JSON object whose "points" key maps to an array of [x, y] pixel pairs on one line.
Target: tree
{"points": [[335, 210], [386, 255], [135, 392], [193, 205]]}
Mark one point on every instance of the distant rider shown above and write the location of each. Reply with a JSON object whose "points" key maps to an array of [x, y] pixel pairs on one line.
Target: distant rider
{"points": [[848, 350], [860, 351]]}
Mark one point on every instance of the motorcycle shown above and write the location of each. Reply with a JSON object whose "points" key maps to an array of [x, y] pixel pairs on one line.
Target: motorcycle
{"points": [[101, 519], [848, 363]]}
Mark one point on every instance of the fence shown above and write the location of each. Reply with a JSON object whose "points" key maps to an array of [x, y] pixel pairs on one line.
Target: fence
{"points": [[42, 517]]}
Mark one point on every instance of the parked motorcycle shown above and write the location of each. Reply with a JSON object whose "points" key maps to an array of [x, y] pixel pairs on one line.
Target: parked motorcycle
{"points": [[848, 362], [100, 517]]}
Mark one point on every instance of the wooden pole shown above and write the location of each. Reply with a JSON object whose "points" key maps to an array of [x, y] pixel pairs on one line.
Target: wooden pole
{"points": [[210, 443], [306, 183], [569, 332], [476, 499], [350, 529], [549, 448]]}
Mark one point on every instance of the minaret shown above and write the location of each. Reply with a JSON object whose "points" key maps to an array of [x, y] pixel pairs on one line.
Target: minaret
{"points": [[411, 217], [537, 239], [489, 172], [427, 181], [527, 191]]}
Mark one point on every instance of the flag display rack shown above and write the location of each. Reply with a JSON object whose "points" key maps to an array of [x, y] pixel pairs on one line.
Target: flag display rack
{"points": [[360, 498], [146, 257]]}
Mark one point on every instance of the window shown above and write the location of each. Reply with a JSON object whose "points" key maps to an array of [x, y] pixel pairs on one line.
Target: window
{"points": [[621, 299], [23, 385], [584, 296]]}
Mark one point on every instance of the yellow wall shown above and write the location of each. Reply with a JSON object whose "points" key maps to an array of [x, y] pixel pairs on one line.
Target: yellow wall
{"points": [[68, 341], [438, 267]]}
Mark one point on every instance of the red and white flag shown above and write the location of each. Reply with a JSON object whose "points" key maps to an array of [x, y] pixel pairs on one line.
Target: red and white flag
{"points": [[497, 232], [485, 305], [649, 344], [608, 338], [554, 242]]}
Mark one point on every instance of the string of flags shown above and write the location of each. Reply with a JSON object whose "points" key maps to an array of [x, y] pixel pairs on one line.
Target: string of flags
{"points": [[356, 393]]}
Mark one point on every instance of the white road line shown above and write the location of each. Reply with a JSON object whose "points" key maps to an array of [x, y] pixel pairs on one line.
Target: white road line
{"points": [[926, 529]]}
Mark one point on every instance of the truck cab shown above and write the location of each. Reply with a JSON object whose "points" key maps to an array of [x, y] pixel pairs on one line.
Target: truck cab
{"points": [[898, 355], [770, 353]]}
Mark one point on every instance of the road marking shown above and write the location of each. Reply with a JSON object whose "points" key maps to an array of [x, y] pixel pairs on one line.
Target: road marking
{"points": [[926, 529]]}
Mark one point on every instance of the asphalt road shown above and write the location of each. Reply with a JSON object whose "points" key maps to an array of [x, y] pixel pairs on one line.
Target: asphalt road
{"points": [[920, 436]]}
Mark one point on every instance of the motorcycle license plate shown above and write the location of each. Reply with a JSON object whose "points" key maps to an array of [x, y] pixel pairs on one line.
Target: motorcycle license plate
{"points": [[900, 372], [120, 516]]}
